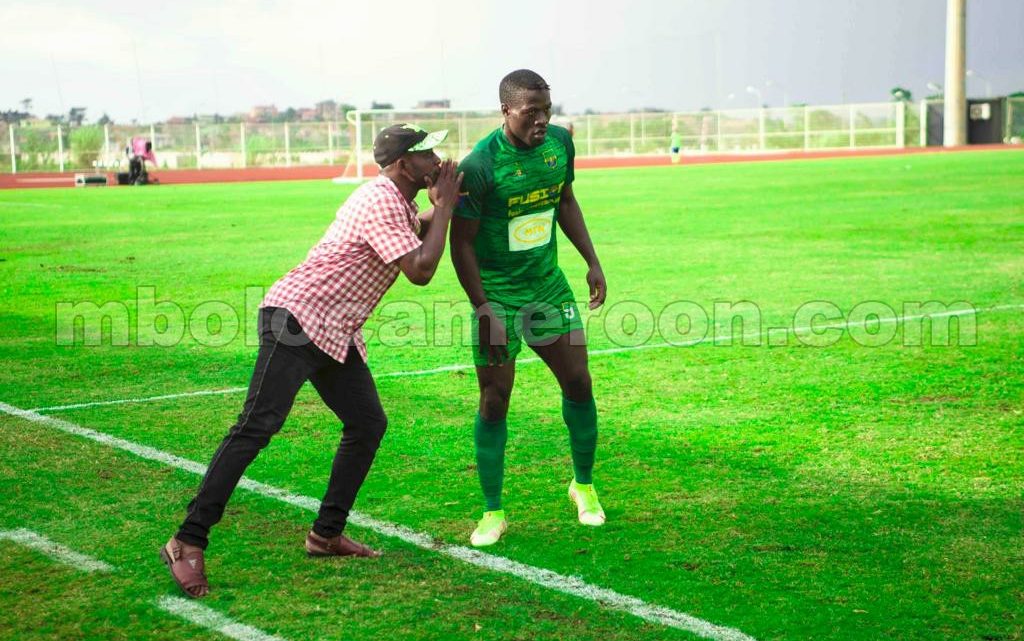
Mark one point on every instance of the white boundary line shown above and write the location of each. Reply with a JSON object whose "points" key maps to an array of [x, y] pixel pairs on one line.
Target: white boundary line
{"points": [[55, 550], [570, 585], [192, 612], [147, 399], [523, 361], [205, 617]]}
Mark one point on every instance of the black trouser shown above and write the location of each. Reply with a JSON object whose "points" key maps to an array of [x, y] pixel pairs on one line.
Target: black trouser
{"points": [[286, 360]]}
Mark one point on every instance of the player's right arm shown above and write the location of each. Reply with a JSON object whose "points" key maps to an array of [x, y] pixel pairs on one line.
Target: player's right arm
{"points": [[493, 341], [465, 227]]}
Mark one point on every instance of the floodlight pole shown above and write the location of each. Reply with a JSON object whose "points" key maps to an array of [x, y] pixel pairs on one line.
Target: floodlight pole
{"points": [[955, 112], [971, 73]]}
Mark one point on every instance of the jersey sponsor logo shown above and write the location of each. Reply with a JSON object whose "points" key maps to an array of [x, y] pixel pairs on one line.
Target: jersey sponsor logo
{"points": [[530, 231], [551, 161], [535, 196]]}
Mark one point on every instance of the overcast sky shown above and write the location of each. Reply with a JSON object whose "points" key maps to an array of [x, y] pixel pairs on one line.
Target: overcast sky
{"points": [[151, 60]]}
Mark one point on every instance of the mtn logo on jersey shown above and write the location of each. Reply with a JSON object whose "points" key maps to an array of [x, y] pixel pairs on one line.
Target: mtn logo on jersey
{"points": [[532, 230]]}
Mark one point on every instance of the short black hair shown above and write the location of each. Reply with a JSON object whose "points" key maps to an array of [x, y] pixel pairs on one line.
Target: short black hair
{"points": [[519, 81]]}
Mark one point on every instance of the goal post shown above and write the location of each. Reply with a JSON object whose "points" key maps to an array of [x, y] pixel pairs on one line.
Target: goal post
{"points": [[465, 127]]}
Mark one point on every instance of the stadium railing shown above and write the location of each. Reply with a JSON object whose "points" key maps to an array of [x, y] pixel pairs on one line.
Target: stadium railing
{"points": [[41, 146]]}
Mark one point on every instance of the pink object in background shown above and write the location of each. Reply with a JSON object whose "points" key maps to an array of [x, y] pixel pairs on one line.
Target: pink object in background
{"points": [[142, 147]]}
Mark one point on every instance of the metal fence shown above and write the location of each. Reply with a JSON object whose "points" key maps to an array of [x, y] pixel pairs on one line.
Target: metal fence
{"points": [[1014, 120], [45, 147], [647, 133]]}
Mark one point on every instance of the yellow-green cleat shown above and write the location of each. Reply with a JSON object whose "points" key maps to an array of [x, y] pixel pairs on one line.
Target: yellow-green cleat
{"points": [[588, 508], [489, 529]]}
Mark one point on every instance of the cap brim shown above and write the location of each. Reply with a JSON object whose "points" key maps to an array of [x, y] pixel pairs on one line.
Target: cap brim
{"points": [[432, 140]]}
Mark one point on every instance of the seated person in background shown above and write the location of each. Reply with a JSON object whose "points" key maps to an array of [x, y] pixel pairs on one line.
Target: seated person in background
{"points": [[139, 151]]}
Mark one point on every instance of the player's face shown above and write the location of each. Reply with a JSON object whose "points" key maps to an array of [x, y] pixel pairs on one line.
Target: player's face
{"points": [[527, 117]]}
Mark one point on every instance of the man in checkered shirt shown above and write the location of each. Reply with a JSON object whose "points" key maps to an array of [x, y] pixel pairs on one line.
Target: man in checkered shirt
{"points": [[310, 329]]}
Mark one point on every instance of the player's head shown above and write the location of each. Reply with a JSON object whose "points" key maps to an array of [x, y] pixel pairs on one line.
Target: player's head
{"points": [[526, 104], [406, 152]]}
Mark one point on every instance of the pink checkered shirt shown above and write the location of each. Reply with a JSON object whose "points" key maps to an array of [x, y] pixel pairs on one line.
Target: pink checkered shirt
{"points": [[336, 288]]}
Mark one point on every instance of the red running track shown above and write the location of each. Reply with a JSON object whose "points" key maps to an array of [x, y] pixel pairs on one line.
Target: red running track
{"points": [[191, 176]]}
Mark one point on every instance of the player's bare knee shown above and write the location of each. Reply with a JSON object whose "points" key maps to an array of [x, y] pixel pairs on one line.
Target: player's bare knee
{"points": [[494, 403], [578, 386]]}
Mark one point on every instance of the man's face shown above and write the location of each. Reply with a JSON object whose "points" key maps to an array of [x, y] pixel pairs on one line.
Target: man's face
{"points": [[528, 115], [420, 164]]}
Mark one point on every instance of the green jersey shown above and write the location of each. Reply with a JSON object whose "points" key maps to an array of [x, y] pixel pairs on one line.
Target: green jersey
{"points": [[515, 194]]}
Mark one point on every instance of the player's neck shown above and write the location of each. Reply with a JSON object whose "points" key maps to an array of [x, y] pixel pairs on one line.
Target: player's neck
{"points": [[516, 142]]}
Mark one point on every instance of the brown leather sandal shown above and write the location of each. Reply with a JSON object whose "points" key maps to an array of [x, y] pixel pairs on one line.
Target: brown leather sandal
{"points": [[187, 567], [340, 545]]}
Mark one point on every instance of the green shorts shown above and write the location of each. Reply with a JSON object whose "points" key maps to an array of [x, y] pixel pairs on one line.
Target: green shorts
{"points": [[536, 323]]}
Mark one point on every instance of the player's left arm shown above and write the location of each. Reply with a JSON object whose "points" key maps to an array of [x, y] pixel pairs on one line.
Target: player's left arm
{"points": [[570, 220]]}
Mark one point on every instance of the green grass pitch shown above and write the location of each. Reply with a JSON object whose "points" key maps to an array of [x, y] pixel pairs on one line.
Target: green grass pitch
{"points": [[849, 485]]}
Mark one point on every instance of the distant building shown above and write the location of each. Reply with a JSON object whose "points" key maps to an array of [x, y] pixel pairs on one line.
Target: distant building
{"points": [[443, 103], [262, 113], [308, 115], [326, 110]]}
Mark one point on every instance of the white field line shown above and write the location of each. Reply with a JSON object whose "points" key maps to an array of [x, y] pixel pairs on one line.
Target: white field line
{"points": [[16, 203], [204, 617], [522, 361], [200, 615], [539, 576], [147, 399], [55, 550]]}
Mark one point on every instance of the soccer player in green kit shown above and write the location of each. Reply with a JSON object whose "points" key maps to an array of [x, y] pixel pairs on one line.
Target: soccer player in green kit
{"points": [[517, 187]]}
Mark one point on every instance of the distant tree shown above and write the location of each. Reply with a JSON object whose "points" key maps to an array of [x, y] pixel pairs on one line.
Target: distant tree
{"points": [[26, 105], [105, 120], [56, 119], [901, 93], [76, 116], [14, 117], [1016, 94], [589, 112], [381, 105]]}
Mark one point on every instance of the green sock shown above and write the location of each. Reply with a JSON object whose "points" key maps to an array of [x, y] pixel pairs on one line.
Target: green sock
{"points": [[490, 439], [581, 418]]}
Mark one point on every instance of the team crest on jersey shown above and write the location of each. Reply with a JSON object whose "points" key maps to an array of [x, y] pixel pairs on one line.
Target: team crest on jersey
{"points": [[519, 171], [551, 161]]}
